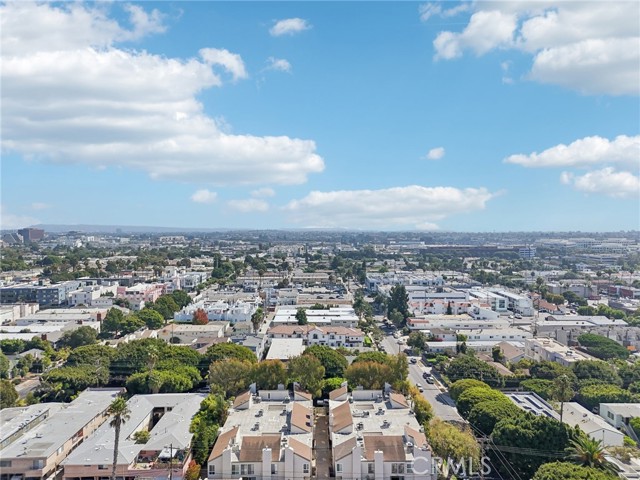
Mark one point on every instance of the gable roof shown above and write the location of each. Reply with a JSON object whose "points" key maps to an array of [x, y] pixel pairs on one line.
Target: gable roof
{"points": [[391, 445], [345, 448], [252, 446], [224, 439], [341, 417], [418, 438], [300, 449], [242, 399], [399, 399], [338, 392], [301, 417]]}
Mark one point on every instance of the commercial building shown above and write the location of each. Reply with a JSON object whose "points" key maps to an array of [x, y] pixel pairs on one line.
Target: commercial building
{"points": [[333, 336], [376, 436], [38, 439], [189, 334], [334, 316], [31, 234], [266, 436], [167, 453], [454, 322]]}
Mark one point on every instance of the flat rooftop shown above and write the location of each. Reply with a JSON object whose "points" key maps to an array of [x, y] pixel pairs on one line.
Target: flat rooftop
{"points": [[285, 348]]}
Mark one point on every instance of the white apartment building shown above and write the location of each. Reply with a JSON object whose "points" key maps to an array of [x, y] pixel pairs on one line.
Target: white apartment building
{"points": [[377, 437], [188, 334], [88, 295], [499, 334], [593, 425], [269, 436], [454, 322], [11, 312], [619, 415], [238, 311], [498, 303], [517, 303], [344, 316], [546, 349], [333, 336]]}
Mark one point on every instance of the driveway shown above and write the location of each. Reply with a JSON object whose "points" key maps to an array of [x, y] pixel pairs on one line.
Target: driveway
{"points": [[322, 446]]}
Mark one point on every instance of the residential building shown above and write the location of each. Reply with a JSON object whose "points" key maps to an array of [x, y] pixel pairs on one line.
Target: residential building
{"points": [[12, 312], [35, 447], [344, 316], [44, 295], [575, 415], [487, 334], [619, 415], [285, 348], [376, 436], [167, 453], [546, 349], [90, 294], [454, 322], [234, 312], [269, 436], [254, 342], [188, 334], [333, 336]]}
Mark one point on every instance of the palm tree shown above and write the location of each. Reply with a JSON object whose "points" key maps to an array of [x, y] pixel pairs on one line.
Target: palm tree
{"points": [[119, 410], [563, 391], [589, 452]]}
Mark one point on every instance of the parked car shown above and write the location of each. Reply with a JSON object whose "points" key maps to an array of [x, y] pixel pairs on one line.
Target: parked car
{"points": [[414, 360], [429, 380]]}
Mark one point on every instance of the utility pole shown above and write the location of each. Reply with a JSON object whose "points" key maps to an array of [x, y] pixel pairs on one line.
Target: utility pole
{"points": [[171, 461]]}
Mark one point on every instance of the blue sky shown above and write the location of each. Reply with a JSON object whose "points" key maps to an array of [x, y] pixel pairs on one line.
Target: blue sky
{"points": [[472, 116]]}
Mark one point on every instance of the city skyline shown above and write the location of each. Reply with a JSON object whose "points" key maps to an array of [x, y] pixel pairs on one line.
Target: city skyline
{"points": [[456, 116]]}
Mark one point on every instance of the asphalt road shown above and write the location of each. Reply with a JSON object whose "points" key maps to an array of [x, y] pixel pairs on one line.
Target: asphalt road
{"points": [[436, 394]]}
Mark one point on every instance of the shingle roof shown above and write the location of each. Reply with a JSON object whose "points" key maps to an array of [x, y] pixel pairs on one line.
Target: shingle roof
{"points": [[399, 398], [341, 417], [301, 417], [300, 448], [252, 446], [242, 399], [418, 438], [343, 449], [391, 445], [338, 392], [223, 442]]}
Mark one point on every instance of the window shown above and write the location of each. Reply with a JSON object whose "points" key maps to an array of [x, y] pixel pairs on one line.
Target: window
{"points": [[610, 415], [246, 469], [274, 468], [38, 464], [409, 467], [397, 468], [338, 467], [103, 467], [235, 469], [305, 468], [212, 469], [5, 463], [371, 468]]}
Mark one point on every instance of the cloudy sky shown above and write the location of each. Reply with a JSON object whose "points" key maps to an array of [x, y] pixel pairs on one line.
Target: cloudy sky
{"points": [[472, 116]]}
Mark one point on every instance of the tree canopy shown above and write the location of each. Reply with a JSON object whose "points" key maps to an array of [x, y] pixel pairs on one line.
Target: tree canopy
{"points": [[468, 366], [602, 347], [334, 363], [223, 351], [570, 471]]}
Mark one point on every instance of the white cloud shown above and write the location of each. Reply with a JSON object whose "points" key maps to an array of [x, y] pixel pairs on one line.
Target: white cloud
{"points": [[9, 221], [248, 205], [399, 207], [204, 196], [435, 153], [40, 206], [428, 10], [68, 95], [279, 64], [584, 152], [263, 192], [486, 30], [231, 62], [606, 181], [289, 26], [590, 47]]}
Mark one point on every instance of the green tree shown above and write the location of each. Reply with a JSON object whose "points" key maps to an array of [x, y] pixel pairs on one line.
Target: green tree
{"points": [[472, 396], [166, 306], [417, 340], [562, 391], [596, 370], [151, 318], [602, 347], [12, 346], [269, 374], [421, 407], [369, 375], [181, 298], [224, 351], [539, 386], [79, 337], [486, 414], [468, 366], [112, 322], [589, 452], [591, 396], [450, 441], [141, 436], [308, 371], [458, 387], [301, 316], [550, 370], [231, 376], [5, 366], [331, 384], [205, 425], [570, 471], [120, 413], [334, 363], [257, 318], [527, 432], [8, 394], [398, 300]]}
